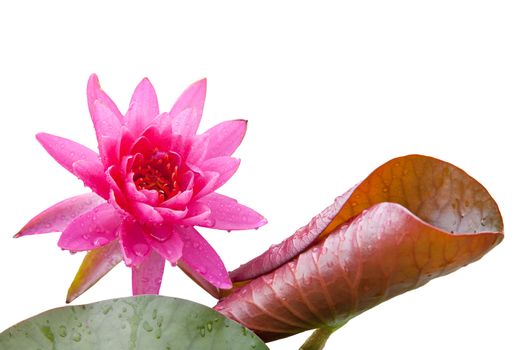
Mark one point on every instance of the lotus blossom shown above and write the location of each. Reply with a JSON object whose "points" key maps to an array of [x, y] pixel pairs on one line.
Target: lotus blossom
{"points": [[153, 180], [413, 219]]}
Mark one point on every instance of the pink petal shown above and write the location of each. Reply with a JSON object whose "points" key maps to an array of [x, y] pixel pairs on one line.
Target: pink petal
{"points": [[192, 98], [90, 230], [116, 182], [180, 145], [224, 138], [152, 133], [142, 145], [227, 214], [150, 197], [197, 278], [179, 201], [171, 215], [57, 217], [162, 123], [198, 214], [94, 92], [198, 149], [126, 139], [92, 173], [66, 152], [135, 247], [96, 264], [107, 127], [143, 107], [187, 180], [166, 241], [185, 123], [205, 183], [201, 259], [225, 166], [146, 214], [147, 276]]}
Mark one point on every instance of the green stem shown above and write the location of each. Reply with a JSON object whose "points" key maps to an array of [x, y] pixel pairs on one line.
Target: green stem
{"points": [[318, 339]]}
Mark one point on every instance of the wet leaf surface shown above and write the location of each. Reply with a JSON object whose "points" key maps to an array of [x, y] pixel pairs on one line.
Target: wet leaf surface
{"points": [[413, 219], [143, 322]]}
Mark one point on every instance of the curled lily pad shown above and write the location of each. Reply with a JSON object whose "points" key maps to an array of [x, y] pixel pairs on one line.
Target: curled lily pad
{"points": [[144, 322], [413, 219]]}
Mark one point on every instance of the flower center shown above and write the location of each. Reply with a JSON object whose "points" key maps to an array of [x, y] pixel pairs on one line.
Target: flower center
{"points": [[157, 172]]}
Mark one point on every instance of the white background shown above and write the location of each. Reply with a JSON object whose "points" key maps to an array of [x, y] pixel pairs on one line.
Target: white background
{"points": [[331, 91]]}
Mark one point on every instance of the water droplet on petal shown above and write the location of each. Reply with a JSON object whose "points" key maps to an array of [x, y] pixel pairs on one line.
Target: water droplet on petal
{"points": [[100, 241], [141, 249], [160, 235]]}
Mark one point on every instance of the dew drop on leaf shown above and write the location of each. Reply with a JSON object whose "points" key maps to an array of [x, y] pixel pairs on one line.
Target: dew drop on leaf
{"points": [[107, 309], [147, 327], [77, 337]]}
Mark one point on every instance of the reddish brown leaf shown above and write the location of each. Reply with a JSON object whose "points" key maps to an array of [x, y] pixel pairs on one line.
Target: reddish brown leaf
{"points": [[413, 219]]}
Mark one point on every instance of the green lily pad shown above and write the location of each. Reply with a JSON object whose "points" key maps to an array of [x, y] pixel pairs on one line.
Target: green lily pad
{"points": [[144, 322]]}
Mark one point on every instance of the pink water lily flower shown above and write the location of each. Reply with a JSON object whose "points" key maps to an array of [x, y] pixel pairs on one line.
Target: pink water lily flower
{"points": [[153, 180]]}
